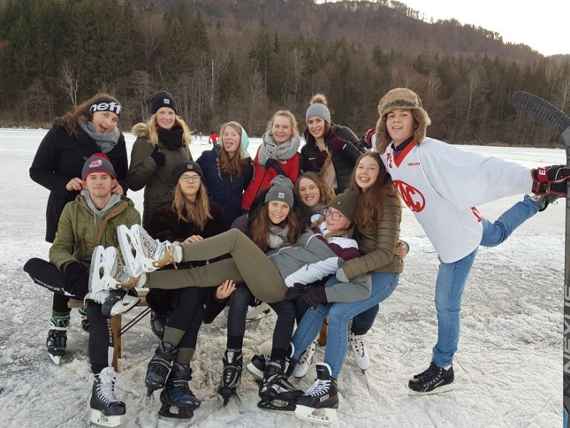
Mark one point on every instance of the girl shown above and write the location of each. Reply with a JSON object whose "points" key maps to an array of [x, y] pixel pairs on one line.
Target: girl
{"points": [[313, 196], [277, 155], [162, 143], [441, 185], [330, 150], [227, 170], [89, 128]]}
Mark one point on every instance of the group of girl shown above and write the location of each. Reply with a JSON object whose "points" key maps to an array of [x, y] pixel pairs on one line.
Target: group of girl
{"points": [[269, 229]]}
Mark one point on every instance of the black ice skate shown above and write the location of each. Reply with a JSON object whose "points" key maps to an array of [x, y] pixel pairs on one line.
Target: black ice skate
{"points": [[276, 392], [434, 379], [159, 367], [320, 402], [178, 401], [57, 340], [106, 409], [257, 366], [231, 376]]}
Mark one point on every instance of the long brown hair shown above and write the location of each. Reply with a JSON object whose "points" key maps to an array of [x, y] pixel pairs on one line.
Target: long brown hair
{"points": [[369, 203], [259, 227], [73, 119], [232, 166], [197, 212], [326, 192]]}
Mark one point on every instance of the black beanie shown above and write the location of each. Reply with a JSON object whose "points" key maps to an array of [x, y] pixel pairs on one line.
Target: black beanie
{"points": [[189, 165], [162, 99]]}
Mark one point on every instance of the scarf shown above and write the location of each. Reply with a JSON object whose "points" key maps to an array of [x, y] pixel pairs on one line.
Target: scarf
{"points": [[171, 138], [107, 141], [271, 150], [277, 236]]}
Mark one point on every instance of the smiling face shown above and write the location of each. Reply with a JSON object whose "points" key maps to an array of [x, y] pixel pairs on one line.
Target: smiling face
{"points": [[336, 221], [190, 183], [366, 173], [400, 125], [230, 140], [309, 192], [99, 184], [277, 211], [165, 117], [316, 127], [281, 129], [104, 121]]}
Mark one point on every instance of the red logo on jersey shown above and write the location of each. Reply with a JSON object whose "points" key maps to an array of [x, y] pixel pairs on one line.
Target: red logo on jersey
{"points": [[411, 196]]}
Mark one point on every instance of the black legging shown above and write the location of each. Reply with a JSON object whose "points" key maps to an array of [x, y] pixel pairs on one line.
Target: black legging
{"points": [[188, 314], [99, 327]]}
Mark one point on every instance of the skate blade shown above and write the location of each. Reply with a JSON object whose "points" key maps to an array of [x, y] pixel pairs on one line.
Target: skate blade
{"points": [[319, 416], [441, 390], [56, 359], [175, 414], [98, 418], [277, 405]]}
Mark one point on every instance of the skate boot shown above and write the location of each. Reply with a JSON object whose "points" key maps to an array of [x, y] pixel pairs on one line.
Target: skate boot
{"points": [[178, 401], [305, 361], [231, 376], [358, 346], [551, 179], [257, 366], [106, 409], [141, 253], [276, 392], [159, 367], [57, 338], [432, 379], [320, 402]]}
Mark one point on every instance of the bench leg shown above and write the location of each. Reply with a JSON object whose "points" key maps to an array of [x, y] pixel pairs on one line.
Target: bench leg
{"points": [[323, 334], [117, 340]]}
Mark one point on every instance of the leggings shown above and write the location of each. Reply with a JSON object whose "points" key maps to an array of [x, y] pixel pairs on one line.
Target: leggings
{"points": [[99, 327]]}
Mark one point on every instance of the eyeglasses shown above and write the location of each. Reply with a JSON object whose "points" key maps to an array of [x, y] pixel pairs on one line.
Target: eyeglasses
{"points": [[333, 213], [190, 179]]}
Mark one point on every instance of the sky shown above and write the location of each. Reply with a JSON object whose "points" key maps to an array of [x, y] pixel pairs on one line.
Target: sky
{"points": [[543, 25]]}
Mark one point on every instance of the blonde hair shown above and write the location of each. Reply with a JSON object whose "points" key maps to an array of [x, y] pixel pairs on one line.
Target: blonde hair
{"points": [[319, 98], [178, 121], [232, 166], [197, 212], [288, 115]]}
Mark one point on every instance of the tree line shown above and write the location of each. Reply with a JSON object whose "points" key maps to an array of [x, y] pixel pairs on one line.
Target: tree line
{"points": [[221, 64]]}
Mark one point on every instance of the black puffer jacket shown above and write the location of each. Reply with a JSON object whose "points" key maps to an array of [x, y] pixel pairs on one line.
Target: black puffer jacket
{"points": [[344, 147], [60, 157]]}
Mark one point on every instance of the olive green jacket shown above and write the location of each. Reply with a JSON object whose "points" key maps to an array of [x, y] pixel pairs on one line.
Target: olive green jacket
{"points": [[80, 229], [378, 243]]}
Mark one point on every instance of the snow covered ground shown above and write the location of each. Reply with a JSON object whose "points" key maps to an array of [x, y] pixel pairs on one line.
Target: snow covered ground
{"points": [[508, 368]]}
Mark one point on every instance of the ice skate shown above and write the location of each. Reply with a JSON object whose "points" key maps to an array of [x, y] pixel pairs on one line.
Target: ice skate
{"points": [[106, 409], [433, 380], [257, 366], [276, 392], [320, 402], [305, 361], [159, 367], [231, 375], [358, 346], [178, 400], [57, 340], [143, 254]]}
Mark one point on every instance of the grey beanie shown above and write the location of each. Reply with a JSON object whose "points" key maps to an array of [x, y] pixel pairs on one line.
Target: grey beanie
{"points": [[318, 110], [281, 190]]}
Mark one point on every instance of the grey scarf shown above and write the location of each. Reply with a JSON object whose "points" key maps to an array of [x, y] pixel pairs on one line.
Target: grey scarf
{"points": [[98, 213], [277, 236], [271, 150], [106, 141]]}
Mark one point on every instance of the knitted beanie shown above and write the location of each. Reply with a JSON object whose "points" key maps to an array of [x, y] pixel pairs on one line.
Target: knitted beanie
{"points": [[162, 99], [318, 110], [281, 190], [346, 203], [97, 162], [186, 166]]}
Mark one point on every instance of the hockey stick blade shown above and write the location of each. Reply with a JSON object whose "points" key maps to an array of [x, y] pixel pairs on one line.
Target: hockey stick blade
{"points": [[543, 112]]}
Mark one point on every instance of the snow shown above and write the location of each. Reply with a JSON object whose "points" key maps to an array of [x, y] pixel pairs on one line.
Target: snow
{"points": [[508, 368]]}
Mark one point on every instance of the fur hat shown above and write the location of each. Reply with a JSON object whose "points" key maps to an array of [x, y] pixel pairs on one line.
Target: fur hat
{"points": [[405, 99], [97, 162], [346, 203], [186, 166], [162, 99], [281, 190]]}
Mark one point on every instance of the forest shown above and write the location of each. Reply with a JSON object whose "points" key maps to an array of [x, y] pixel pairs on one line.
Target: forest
{"points": [[243, 59]]}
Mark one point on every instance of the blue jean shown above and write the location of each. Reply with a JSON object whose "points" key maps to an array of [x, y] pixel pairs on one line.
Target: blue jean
{"points": [[451, 279], [339, 315]]}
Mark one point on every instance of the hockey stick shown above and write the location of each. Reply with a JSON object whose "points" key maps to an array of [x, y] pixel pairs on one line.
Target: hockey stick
{"points": [[547, 114]]}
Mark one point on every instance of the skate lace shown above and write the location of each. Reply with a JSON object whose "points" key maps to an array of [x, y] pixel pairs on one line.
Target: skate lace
{"points": [[357, 345], [106, 386], [319, 388]]}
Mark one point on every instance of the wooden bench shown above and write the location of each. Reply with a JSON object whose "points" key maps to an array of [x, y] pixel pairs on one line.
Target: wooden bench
{"points": [[117, 327]]}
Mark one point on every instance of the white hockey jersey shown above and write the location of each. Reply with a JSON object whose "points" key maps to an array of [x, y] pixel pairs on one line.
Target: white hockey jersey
{"points": [[442, 184]]}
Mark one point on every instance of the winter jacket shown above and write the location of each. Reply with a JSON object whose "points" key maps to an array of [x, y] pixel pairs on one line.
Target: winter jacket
{"points": [[60, 157], [262, 176], [224, 190], [80, 230], [158, 181], [344, 147], [379, 242]]}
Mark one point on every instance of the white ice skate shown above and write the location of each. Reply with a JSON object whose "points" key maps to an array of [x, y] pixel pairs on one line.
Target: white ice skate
{"points": [[358, 346], [141, 253], [105, 408], [305, 361]]}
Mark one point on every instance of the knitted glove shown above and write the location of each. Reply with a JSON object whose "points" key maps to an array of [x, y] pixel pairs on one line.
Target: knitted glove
{"points": [[158, 157]]}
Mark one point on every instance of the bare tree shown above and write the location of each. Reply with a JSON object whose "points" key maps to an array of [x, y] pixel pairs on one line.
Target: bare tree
{"points": [[69, 82]]}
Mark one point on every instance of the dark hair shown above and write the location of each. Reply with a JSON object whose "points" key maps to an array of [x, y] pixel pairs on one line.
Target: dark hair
{"points": [[259, 227], [81, 114], [327, 194]]}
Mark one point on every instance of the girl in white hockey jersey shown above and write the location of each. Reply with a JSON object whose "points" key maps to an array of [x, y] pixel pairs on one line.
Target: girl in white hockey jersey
{"points": [[441, 185]]}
